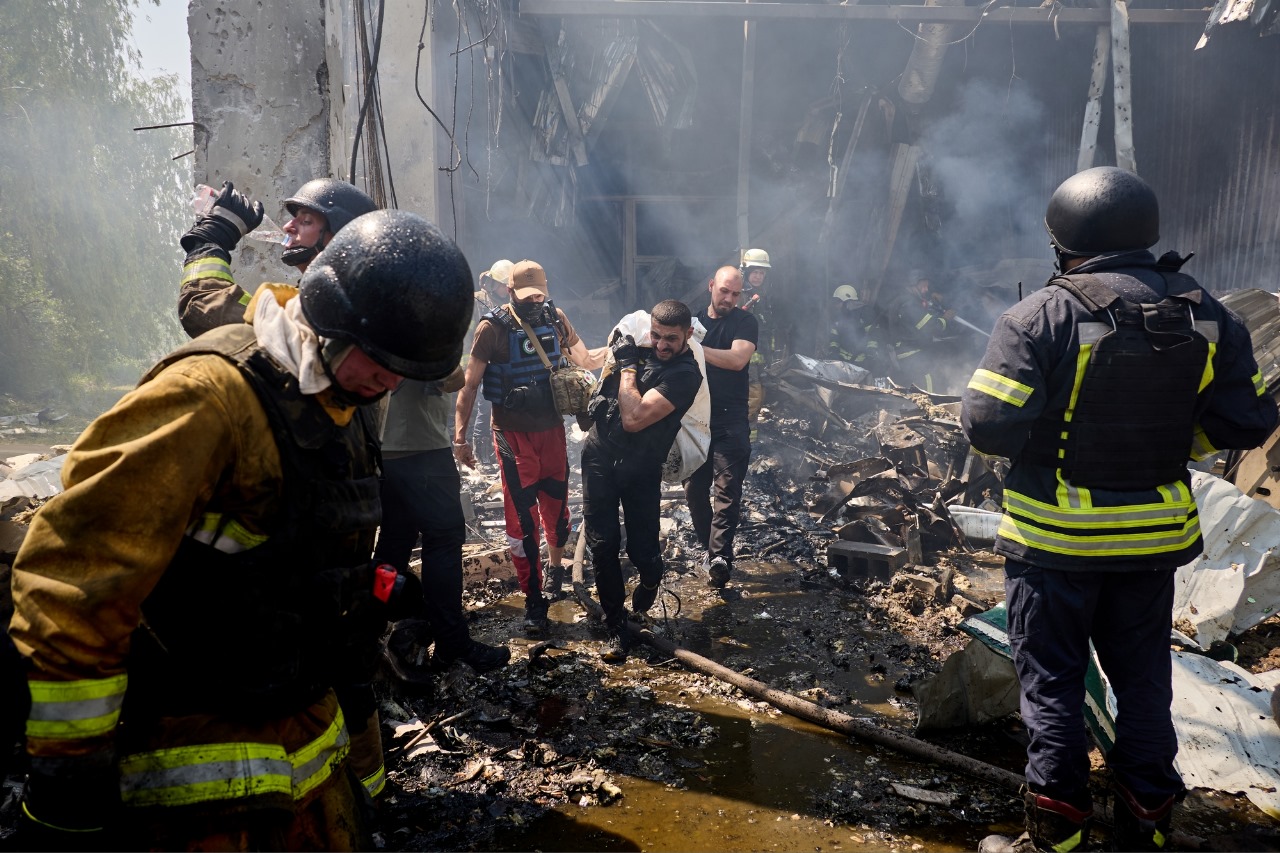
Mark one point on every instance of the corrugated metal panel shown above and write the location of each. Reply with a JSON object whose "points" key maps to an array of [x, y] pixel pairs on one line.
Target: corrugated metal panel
{"points": [[1208, 126], [1260, 311]]}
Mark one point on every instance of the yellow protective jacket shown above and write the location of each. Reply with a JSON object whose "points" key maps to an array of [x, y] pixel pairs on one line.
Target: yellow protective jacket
{"points": [[209, 296], [190, 453]]}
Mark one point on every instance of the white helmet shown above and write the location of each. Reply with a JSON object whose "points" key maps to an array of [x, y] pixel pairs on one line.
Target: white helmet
{"points": [[755, 258], [846, 292], [499, 272]]}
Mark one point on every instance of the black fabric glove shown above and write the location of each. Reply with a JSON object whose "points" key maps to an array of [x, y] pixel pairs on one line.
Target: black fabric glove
{"points": [[70, 804], [232, 216], [625, 352]]}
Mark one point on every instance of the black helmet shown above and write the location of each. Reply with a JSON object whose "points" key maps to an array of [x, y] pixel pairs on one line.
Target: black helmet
{"points": [[392, 284], [1101, 210], [339, 201]]}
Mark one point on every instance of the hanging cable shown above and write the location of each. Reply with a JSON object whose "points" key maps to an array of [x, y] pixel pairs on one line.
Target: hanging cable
{"points": [[368, 92]]}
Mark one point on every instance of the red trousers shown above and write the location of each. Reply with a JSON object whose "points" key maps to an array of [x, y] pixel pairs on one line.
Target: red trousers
{"points": [[535, 490]]}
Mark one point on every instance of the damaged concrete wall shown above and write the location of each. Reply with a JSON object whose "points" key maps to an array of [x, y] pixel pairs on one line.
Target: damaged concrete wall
{"points": [[276, 91]]}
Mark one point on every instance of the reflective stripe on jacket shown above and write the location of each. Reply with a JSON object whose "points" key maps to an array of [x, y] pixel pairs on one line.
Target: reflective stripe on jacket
{"points": [[1031, 372]]}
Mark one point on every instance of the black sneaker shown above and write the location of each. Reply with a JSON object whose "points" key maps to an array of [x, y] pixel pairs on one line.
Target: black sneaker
{"points": [[718, 573], [619, 649], [475, 654], [553, 583], [643, 598]]}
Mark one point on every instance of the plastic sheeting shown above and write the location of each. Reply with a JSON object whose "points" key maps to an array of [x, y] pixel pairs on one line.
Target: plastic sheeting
{"points": [[1234, 584], [1227, 736], [36, 480]]}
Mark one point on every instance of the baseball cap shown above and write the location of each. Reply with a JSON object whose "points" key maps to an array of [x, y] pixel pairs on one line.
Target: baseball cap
{"points": [[528, 277]]}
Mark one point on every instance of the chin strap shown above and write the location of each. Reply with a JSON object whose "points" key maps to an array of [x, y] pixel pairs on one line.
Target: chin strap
{"points": [[332, 352], [296, 256]]}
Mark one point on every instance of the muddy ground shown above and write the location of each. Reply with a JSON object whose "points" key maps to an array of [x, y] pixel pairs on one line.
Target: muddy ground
{"points": [[560, 751]]}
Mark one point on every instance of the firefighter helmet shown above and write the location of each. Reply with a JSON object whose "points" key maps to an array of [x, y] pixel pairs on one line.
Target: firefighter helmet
{"points": [[394, 285], [1101, 210], [500, 272], [755, 258], [847, 293]]}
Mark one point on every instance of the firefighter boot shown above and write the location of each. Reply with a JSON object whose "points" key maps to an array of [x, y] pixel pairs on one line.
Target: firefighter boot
{"points": [[1137, 828], [1051, 825]]}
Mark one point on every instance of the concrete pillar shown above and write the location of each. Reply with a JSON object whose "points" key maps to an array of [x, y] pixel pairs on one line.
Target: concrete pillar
{"points": [[260, 98]]}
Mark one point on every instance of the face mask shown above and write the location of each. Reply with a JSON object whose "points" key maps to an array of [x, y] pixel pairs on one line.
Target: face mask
{"points": [[530, 312]]}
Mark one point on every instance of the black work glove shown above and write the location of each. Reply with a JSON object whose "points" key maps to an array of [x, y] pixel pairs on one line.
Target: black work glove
{"points": [[232, 216], [72, 804], [625, 352]]}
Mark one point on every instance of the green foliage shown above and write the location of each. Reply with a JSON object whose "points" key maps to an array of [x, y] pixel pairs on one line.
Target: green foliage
{"points": [[90, 210]]}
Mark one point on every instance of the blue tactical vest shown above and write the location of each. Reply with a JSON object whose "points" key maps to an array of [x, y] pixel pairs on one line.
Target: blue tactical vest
{"points": [[523, 381]]}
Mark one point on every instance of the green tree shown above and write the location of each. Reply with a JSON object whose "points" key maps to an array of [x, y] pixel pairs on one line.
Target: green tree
{"points": [[90, 210]]}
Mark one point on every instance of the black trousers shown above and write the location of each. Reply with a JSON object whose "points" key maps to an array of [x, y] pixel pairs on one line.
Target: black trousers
{"points": [[1127, 614], [714, 492], [421, 497], [635, 484]]}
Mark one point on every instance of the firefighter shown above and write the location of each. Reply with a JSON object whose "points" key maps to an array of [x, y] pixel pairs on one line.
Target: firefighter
{"points": [[209, 296], [917, 321], [1098, 388], [528, 432], [755, 269], [849, 332], [189, 602]]}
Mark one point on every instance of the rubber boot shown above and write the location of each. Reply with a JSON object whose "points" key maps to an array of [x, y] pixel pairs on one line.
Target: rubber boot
{"points": [[1052, 825], [1136, 828]]}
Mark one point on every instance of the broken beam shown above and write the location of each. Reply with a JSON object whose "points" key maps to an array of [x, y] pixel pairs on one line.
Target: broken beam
{"points": [[821, 11]]}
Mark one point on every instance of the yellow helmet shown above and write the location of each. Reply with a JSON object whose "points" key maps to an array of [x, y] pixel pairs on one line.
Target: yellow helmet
{"points": [[845, 292], [755, 258]]}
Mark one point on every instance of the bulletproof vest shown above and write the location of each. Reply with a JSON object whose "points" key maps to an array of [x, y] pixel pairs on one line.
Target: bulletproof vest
{"points": [[523, 382], [267, 630], [1129, 424]]}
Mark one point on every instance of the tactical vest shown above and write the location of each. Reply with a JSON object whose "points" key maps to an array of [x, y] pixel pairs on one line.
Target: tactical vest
{"points": [[266, 629], [1130, 420], [523, 382]]}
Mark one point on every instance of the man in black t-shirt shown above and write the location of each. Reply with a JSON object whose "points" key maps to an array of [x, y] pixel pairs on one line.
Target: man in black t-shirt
{"points": [[636, 415], [714, 492]]}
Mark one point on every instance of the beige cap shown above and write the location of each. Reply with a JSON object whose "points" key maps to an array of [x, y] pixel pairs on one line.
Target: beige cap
{"points": [[528, 277]]}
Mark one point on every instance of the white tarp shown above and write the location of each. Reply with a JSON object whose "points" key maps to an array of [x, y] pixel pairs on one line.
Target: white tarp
{"points": [[1234, 584], [1227, 738]]}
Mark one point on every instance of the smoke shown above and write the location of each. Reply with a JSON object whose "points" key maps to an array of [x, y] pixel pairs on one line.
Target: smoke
{"points": [[985, 157]]}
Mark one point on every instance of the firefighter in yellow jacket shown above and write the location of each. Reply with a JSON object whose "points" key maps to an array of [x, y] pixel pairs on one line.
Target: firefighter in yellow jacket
{"points": [[184, 606]]}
